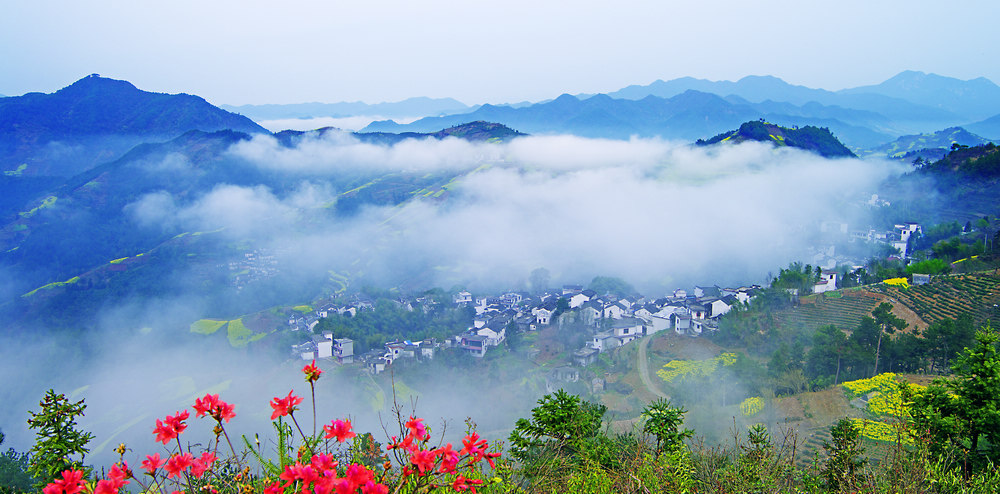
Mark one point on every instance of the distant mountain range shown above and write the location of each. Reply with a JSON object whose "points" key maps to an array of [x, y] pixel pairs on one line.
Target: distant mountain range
{"points": [[689, 108], [411, 107], [690, 115], [95, 120]]}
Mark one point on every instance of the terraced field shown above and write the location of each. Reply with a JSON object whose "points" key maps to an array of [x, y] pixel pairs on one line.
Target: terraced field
{"points": [[976, 294], [843, 309]]}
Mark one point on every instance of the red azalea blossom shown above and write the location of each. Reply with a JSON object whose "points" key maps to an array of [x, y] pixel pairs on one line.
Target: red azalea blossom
{"points": [[358, 475], [104, 487], [324, 462], [373, 488], [417, 428], [423, 460], [449, 459], [151, 463], [312, 372], [474, 446], [274, 488], [464, 484], [341, 429], [284, 406], [71, 483], [212, 405], [200, 465], [177, 464], [171, 426], [118, 475]]}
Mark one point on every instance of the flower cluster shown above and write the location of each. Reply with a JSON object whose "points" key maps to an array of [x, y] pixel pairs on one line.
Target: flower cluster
{"points": [[881, 431], [213, 406], [676, 369], [321, 476], [316, 469], [900, 282], [430, 465], [752, 406]]}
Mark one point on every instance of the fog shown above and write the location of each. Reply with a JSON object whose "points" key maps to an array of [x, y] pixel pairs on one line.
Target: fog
{"points": [[659, 214]]}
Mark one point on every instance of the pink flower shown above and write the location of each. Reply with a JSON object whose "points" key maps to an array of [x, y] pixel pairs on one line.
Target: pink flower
{"points": [[341, 429], [373, 488], [212, 405], [423, 460], [151, 463], [464, 484], [324, 463], [170, 427], [177, 464], [71, 483], [417, 428], [357, 476], [200, 465], [449, 459], [474, 446], [274, 488], [284, 406], [312, 372]]}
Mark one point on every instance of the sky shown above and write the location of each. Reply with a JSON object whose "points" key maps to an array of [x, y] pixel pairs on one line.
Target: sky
{"points": [[253, 52]]}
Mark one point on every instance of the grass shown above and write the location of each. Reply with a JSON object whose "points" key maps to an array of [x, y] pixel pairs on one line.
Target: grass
{"points": [[52, 285], [207, 326], [46, 203], [302, 308], [239, 335]]}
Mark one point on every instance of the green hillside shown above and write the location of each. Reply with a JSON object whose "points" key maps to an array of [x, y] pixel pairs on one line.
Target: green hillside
{"points": [[816, 139]]}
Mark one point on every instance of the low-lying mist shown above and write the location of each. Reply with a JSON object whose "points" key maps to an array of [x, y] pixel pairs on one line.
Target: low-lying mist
{"points": [[659, 214]]}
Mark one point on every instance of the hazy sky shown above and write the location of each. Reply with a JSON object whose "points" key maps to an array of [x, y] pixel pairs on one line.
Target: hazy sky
{"points": [[239, 52]]}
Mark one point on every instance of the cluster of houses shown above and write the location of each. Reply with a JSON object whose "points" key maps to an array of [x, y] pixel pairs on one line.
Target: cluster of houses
{"points": [[610, 320], [253, 266]]}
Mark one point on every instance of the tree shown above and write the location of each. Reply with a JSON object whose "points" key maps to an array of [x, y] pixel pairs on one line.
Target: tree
{"points": [[539, 280], [977, 385], [958, 413], [561, 423], [609, 284], [887, 324], [59, 445], [663, 421], [14, 476], [844, 456]]}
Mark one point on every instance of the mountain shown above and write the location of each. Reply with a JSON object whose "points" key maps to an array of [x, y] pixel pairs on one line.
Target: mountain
{"points": [[973, 99], [931, 144], [689, 115], [989, 127], [814, 139], [411, 107], [95, 120], [905, 116]]}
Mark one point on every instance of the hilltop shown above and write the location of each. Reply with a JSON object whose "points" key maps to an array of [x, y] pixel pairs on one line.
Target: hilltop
{"points": [[818, 140], [932, 145], [94, 120]]}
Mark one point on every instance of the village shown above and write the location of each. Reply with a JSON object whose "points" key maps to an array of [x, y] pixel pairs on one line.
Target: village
{"points": [[610, 320]]}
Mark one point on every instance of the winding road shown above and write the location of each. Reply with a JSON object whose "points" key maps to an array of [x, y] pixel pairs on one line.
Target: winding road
{"points": [[644, 369]]}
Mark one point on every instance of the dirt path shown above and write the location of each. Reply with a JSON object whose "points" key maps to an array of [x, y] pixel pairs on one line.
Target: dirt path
{"points": [[644, 369]]}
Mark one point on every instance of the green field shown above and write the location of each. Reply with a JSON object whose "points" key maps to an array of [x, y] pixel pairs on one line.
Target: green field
{"points": [[207, 326]]}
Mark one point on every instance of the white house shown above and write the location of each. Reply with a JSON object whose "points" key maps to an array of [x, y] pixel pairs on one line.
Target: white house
{"points": [[463, 297], [494, 336], [626, 327], [343, 350], [605, 341], [474, 344], [577, 300], [827, 282]]}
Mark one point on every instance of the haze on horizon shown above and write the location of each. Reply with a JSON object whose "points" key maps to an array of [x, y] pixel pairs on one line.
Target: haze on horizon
{"points": [[254, 52]]}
